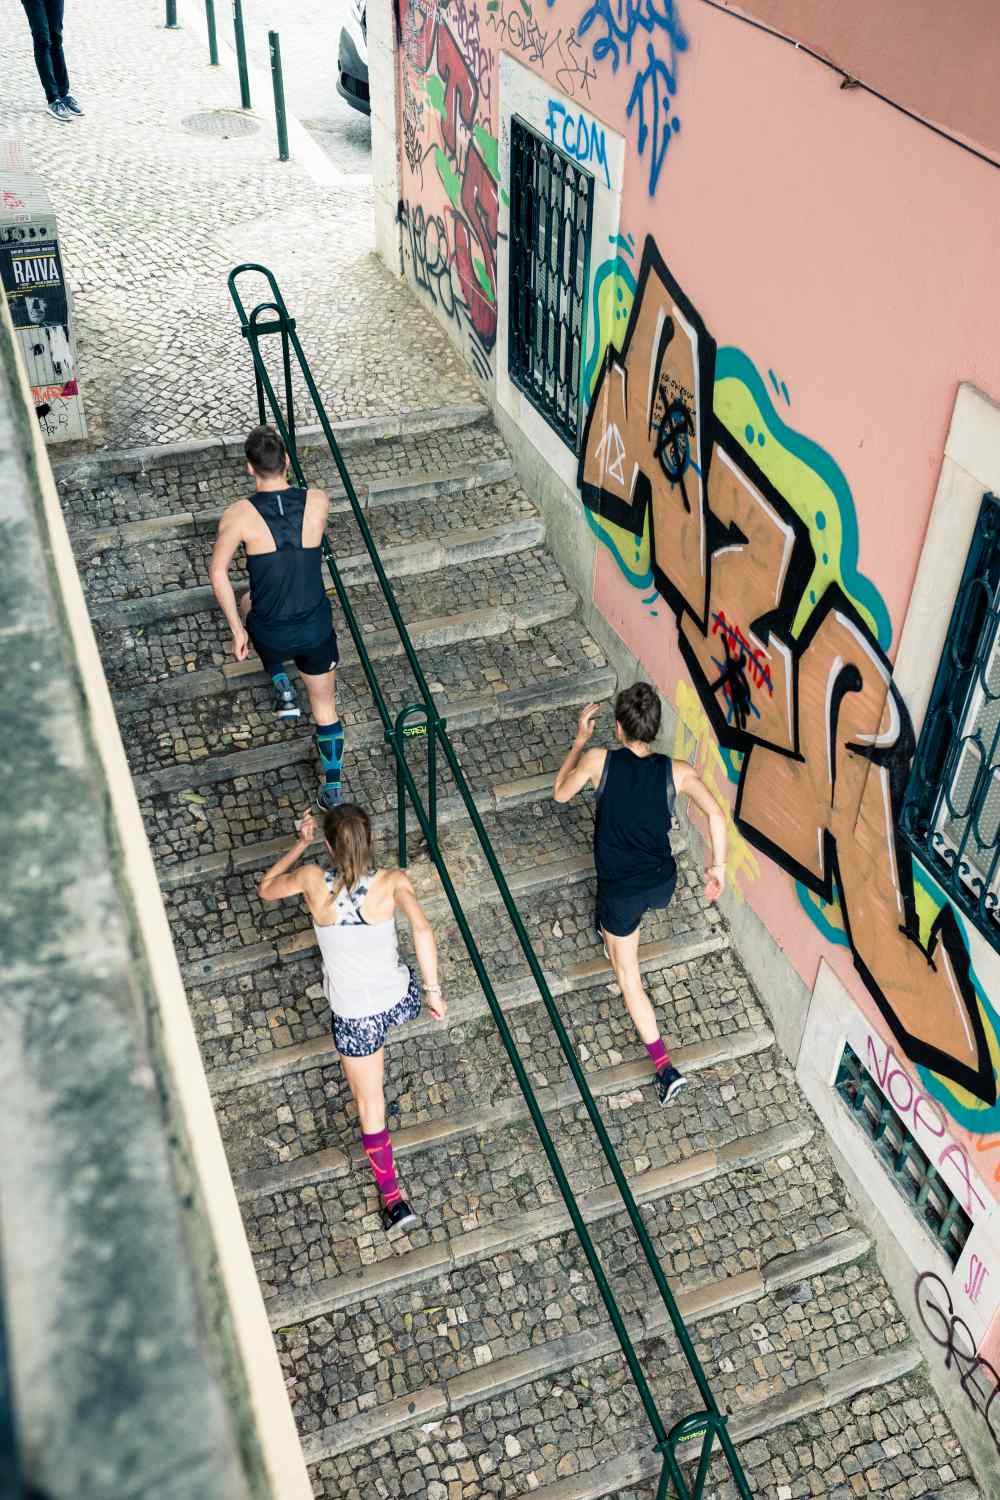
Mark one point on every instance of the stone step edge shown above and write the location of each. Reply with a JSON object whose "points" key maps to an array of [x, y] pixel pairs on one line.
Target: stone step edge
{"points": [[588, 974], [377, 493], [604, 1083], [499, 798], [452, 549], [427, 634], [432, 1403], [515, 703], [351, 432], [532, 1226], [812, 1396], [301, 944]]}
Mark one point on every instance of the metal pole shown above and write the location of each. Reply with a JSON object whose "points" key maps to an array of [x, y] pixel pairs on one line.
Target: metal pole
{"points": [[279, 96], [241, 53], [172, 16], [213, 41]]}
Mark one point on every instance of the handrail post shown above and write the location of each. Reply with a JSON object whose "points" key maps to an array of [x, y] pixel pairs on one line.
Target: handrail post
{"points": [[171, 21], [241, 53], [397, 737], [213, 40], [274, 46]]}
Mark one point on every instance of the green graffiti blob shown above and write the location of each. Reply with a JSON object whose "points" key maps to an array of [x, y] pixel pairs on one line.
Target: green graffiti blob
{"points": [[450, 179], [489, 150], [613, 297]]}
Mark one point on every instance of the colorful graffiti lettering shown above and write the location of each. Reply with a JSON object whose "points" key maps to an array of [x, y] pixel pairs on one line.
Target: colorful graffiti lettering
{"points": [[579, 137], [465, 160], [521, 31], [695, 742], [654, 82], [827, 752]]}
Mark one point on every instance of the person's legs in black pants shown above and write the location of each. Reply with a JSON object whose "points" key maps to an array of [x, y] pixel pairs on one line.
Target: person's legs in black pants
{"points": [[45, 17]]}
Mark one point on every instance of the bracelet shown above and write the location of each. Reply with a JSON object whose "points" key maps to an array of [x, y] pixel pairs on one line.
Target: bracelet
{"points": [[432, 989]]}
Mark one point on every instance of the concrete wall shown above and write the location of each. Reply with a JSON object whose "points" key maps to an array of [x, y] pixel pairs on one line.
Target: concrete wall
{"points": [[140, 1354]]}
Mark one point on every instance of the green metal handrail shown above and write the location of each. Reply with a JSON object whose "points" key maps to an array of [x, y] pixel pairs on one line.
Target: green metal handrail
{"points": [[710, 1424]]}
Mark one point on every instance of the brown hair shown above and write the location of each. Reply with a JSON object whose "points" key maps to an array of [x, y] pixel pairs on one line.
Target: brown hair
{"points": [[265, 452], [348, 833], [637, 709]]}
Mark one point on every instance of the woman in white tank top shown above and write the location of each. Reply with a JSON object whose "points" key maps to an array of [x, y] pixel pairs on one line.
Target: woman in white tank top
{"points": [[353, 907]]}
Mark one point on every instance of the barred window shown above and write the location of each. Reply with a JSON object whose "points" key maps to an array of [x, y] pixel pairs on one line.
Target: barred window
{"points": [[951, 812], [551, 210], [928, 1195]]}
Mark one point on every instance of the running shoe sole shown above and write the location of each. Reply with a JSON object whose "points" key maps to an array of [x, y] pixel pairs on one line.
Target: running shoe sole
{"points": [[673, 1090], [288, 713]]}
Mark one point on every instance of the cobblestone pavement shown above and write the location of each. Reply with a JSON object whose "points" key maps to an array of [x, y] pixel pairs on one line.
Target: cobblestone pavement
{"points": [[153, 214], [472, 1355]]}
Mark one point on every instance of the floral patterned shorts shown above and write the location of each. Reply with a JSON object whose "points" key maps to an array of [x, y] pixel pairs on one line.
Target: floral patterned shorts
{"points": [[362, 1037]]}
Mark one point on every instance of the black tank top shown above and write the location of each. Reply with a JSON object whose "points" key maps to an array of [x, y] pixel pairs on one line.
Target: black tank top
{"points": [[289, 603], [635, 809]]}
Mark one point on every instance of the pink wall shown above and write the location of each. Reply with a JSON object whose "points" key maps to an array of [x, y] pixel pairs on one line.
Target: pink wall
{"points": [[843, 258]]}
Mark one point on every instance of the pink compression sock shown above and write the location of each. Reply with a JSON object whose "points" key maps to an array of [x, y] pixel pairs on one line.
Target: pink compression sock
{"points": [[378, 1149], [659, 1056]]}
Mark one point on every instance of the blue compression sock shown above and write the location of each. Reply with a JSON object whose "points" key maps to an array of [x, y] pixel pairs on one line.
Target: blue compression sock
{"points": [[330, 746]]}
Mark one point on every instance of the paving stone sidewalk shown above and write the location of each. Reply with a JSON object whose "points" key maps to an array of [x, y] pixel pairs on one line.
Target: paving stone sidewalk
{"points": [[153, 215]]}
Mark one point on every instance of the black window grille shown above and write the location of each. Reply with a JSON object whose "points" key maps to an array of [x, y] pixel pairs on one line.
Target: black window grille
{"points": [[951, 812], [934, 1204], [551, 211]]}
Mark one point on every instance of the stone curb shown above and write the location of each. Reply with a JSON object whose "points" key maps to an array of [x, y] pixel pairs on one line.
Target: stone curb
{"points": [[606, 1480], [452, 549], [434, 1260], [604, 1083], [349, 434], [317, 1051], [502, 1375], [515, 703]]}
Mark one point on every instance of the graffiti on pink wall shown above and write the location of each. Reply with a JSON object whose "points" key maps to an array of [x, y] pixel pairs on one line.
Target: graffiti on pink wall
{"points": [[784, 652], [450, 206]]}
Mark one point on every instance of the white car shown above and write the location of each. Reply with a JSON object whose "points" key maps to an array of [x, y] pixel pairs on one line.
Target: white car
{"points": [[352, 60]]}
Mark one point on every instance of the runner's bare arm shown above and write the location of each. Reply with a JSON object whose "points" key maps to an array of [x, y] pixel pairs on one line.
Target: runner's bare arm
{"points": [[423, 941], [281, 880], [581, 765], [227, 544], [687, 780]]}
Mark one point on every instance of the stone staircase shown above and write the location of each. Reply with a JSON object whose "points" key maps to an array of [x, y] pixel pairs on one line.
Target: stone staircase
{"points": [[473, 1357]]}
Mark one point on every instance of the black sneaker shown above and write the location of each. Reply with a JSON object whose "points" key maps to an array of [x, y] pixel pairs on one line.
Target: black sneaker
{"points": [[285, 703], [398, 1215], [58, 111], [668, 1084], [329, 796], [70, 103]]}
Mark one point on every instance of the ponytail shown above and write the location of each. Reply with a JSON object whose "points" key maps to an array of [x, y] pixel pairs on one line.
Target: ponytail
{"points": [[348, 833]]}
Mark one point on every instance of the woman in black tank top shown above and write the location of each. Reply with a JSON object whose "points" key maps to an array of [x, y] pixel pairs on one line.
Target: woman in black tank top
{"points": [[636, 790]]}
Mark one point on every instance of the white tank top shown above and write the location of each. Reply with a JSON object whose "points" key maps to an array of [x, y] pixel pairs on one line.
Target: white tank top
{"points": [[362, 974]]}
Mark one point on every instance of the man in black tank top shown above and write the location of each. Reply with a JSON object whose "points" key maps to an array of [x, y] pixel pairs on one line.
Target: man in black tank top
{"points": [[285, 614], [636, 790]]}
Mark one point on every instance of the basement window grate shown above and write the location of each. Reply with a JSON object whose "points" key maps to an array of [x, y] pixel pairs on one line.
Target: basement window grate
{"points": [[928, 1195]]}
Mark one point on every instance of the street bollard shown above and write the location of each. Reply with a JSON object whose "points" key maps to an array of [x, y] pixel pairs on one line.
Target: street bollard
{"points": [[172, 16], [279, 95], [213, 43], [241, 53]]}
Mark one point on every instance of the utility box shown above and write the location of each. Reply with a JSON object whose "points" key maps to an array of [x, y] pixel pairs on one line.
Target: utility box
{"points": [[31, 270]]}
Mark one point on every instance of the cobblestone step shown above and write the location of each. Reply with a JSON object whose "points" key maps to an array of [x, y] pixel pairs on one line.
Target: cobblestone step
{"points": [[127, 484], [871, 1427], [719, 1314], [332, 1162], [188, 560], [193, 636], [515, 756], [386, 502], [511, 704], [409, 1268]]}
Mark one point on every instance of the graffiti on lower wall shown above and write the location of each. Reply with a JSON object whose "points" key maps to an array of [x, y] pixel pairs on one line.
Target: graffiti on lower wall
{"points": [[785, 643], [450, 207]]}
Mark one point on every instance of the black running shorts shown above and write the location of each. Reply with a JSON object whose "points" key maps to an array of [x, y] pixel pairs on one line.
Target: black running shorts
{"points": [[621, 915], [314, 661]]}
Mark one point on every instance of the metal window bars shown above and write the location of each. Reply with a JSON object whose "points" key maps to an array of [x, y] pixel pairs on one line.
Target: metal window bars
{"points": [[932, 1201], [551, 211], [951, 811], [422, 719]]}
